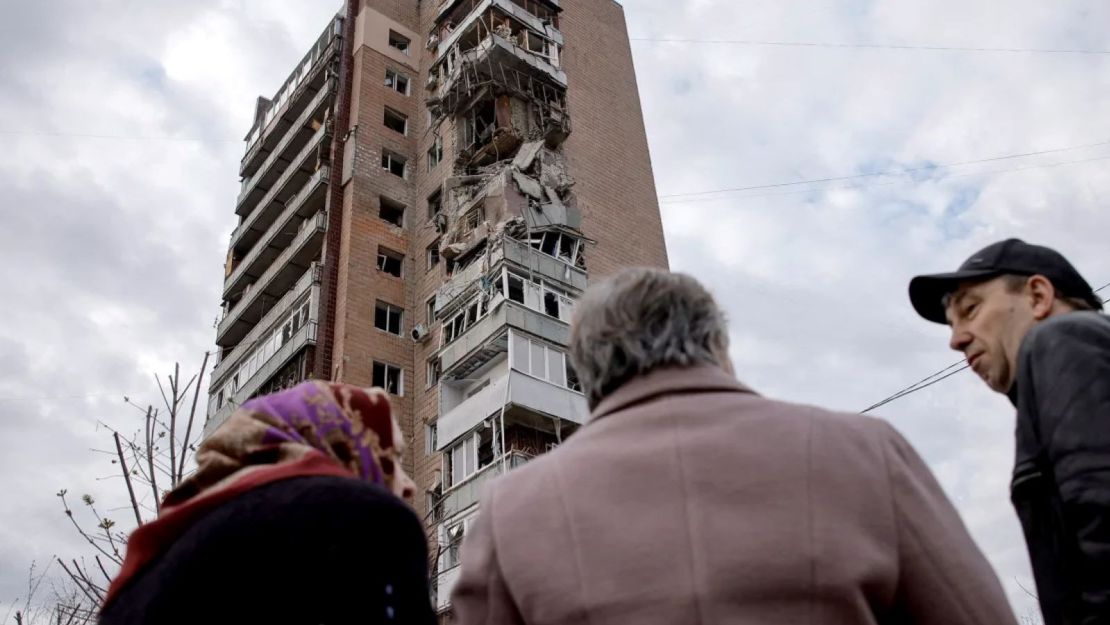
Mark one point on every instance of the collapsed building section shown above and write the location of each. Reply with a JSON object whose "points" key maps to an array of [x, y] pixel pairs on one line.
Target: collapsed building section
{"points": [[511, 235]]}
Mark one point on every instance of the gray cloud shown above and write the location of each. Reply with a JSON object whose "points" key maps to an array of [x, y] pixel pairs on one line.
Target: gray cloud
{"points": [[113, 247]]}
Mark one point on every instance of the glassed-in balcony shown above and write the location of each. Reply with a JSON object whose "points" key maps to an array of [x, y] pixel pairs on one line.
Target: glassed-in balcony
{"points": [[310, 77], [306, 288], [487, 337], [309, 201], [248, 387], [283, 273], [260, 193], [528, 399]]}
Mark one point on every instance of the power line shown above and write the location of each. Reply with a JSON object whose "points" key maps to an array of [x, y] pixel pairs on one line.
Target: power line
{"points": [[80, 135], [868, 46], [888, 172], [891, 183], [945, 373]]}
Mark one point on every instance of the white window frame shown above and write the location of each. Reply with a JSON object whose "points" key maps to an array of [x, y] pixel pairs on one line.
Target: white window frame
{"points": [[390, 157], [463, 454], [435, 154], [552, 373], [397, 115], [394, 39], [431, 432], [385, 374], [391, 312], [393, 79]]}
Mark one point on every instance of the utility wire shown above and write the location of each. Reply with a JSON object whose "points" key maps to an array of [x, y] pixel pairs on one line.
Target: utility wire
{"points": [[945, 373], [888, 172], [887, 184], [80, 135], [868, 46]]}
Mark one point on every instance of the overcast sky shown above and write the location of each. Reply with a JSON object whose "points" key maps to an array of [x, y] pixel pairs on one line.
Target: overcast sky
{"points": [[122, 122]]}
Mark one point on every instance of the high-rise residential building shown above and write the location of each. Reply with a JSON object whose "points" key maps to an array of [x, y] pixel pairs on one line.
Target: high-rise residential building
{"points": [[422, 202]]}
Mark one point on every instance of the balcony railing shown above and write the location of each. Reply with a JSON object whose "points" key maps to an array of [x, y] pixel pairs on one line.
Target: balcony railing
{"points": [[307, 282], [486, 338], [253, 197], [309, 76], [292, 142], [302, 338], [273, 284], [278, 236], [514, 389]]}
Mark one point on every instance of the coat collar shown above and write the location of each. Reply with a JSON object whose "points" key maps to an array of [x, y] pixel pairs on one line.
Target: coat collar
{"points": [[698, 379]]}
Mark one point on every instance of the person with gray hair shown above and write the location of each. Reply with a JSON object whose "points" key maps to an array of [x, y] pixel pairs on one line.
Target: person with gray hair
{"points": [[689, 498]]}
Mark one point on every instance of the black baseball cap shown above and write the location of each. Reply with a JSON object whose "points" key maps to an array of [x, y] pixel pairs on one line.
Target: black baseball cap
{"points": [[1012, 256]]}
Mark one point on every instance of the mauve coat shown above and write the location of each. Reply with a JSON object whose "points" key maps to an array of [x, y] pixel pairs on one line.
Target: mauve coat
{"points": [[689, 499]]}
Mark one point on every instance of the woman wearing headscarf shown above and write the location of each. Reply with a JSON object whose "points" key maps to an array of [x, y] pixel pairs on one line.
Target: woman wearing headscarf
{"points": [[295, 516]]}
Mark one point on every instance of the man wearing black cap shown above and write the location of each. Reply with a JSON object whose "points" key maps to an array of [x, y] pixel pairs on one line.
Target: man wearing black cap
{"points": [[1030, 327]]}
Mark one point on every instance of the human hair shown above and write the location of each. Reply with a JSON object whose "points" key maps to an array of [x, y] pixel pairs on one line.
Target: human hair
{"points": [[1014, 283], [640, 320]]}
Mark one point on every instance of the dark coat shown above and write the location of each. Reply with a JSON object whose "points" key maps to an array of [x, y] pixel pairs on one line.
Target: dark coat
{"points": [[1061, 485], [302, 551]]}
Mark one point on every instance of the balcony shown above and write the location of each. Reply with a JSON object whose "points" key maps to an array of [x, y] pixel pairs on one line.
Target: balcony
{"points": [[264, 249], [308, 283], [303, 338], [274, 283], [483, 12], [254, 197], [288, 150], [527, 399], [291, 100], [488, 337], [527, 257]]}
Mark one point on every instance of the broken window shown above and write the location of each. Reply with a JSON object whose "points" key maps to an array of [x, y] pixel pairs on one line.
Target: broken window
{"points": [[457, 325], [540, 10], [551, 304], [430, 432], [397, 81], [435, 154], [430, 310], [479, 126], [390, 262], [474, 218], [435, 204], [572, 378], [396, 122], [432, 374], [399, 42], [433, 255], [391, 211], [394, 163], [389, 378], [464, 460], [388, 317], [568, 249], [516, 288]]}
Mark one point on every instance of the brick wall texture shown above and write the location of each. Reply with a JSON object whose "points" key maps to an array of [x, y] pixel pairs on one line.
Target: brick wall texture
{"points": [[607, 154]]}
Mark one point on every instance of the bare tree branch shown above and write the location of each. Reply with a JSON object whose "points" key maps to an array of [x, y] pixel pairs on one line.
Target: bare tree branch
{"points": [[100, 564], [81, 530], [173, 423], [186, 443], [150, 456], [127, 479], [77, 582]]}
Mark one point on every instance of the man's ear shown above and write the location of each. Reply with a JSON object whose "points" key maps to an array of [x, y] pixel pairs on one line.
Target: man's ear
{"points": [[1043, 296]]}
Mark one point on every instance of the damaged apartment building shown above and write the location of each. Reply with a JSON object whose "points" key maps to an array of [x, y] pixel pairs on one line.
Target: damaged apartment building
{"points": [[418, 214]]}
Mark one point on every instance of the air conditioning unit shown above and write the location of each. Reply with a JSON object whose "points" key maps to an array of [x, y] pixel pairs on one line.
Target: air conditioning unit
{"points": [[420, 333]]}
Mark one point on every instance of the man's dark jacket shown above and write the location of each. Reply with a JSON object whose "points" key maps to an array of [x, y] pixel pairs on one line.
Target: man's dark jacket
{"points": [[1061, 485]]}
